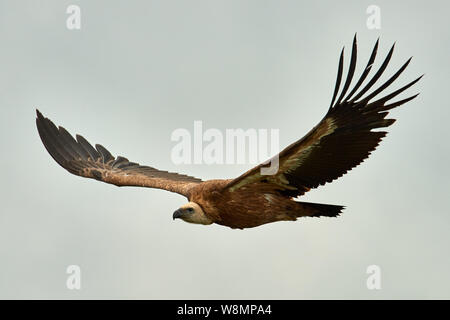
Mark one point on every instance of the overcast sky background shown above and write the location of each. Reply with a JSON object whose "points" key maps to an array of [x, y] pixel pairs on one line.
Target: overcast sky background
{"points": [[137, 70]]}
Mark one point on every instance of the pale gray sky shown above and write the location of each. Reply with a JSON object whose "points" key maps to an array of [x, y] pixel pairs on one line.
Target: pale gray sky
{"points": [[137, 70]]}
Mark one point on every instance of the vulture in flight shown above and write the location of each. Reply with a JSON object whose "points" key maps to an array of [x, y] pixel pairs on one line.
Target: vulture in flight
{"points": [[338, 143]]}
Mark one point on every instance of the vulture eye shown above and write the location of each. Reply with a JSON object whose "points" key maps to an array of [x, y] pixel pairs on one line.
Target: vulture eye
{"points": [[190, 209]]}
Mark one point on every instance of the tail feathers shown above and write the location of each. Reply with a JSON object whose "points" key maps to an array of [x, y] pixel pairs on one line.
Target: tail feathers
{"points": [[319, 210]]}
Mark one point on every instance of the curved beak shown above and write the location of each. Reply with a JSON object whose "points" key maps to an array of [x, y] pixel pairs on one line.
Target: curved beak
{"points": [[177, 214]]}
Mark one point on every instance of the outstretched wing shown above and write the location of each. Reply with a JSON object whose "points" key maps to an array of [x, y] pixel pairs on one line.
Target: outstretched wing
{"points": [[80, 158], [342, 139]]}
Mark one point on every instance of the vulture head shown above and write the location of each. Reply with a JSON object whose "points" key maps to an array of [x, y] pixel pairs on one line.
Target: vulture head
{"points": [[191, 212]]}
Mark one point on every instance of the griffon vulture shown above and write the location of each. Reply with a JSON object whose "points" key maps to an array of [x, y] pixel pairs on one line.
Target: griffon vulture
{"points": [[338, 143]]}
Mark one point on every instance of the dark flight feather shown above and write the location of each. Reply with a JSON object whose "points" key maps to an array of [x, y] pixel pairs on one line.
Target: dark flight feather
{"points": [[341, 141], [80, 158]]}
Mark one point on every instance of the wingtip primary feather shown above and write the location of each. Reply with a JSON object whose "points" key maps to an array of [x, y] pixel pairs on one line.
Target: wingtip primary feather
{"points": [[366, 71], [338, 78], [377, 75], [106, 155], [350, 73], [386, 84]]}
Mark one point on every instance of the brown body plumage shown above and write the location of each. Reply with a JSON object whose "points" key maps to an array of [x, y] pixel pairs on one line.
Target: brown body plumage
{"points": [[252, 206], [341, 141]]}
